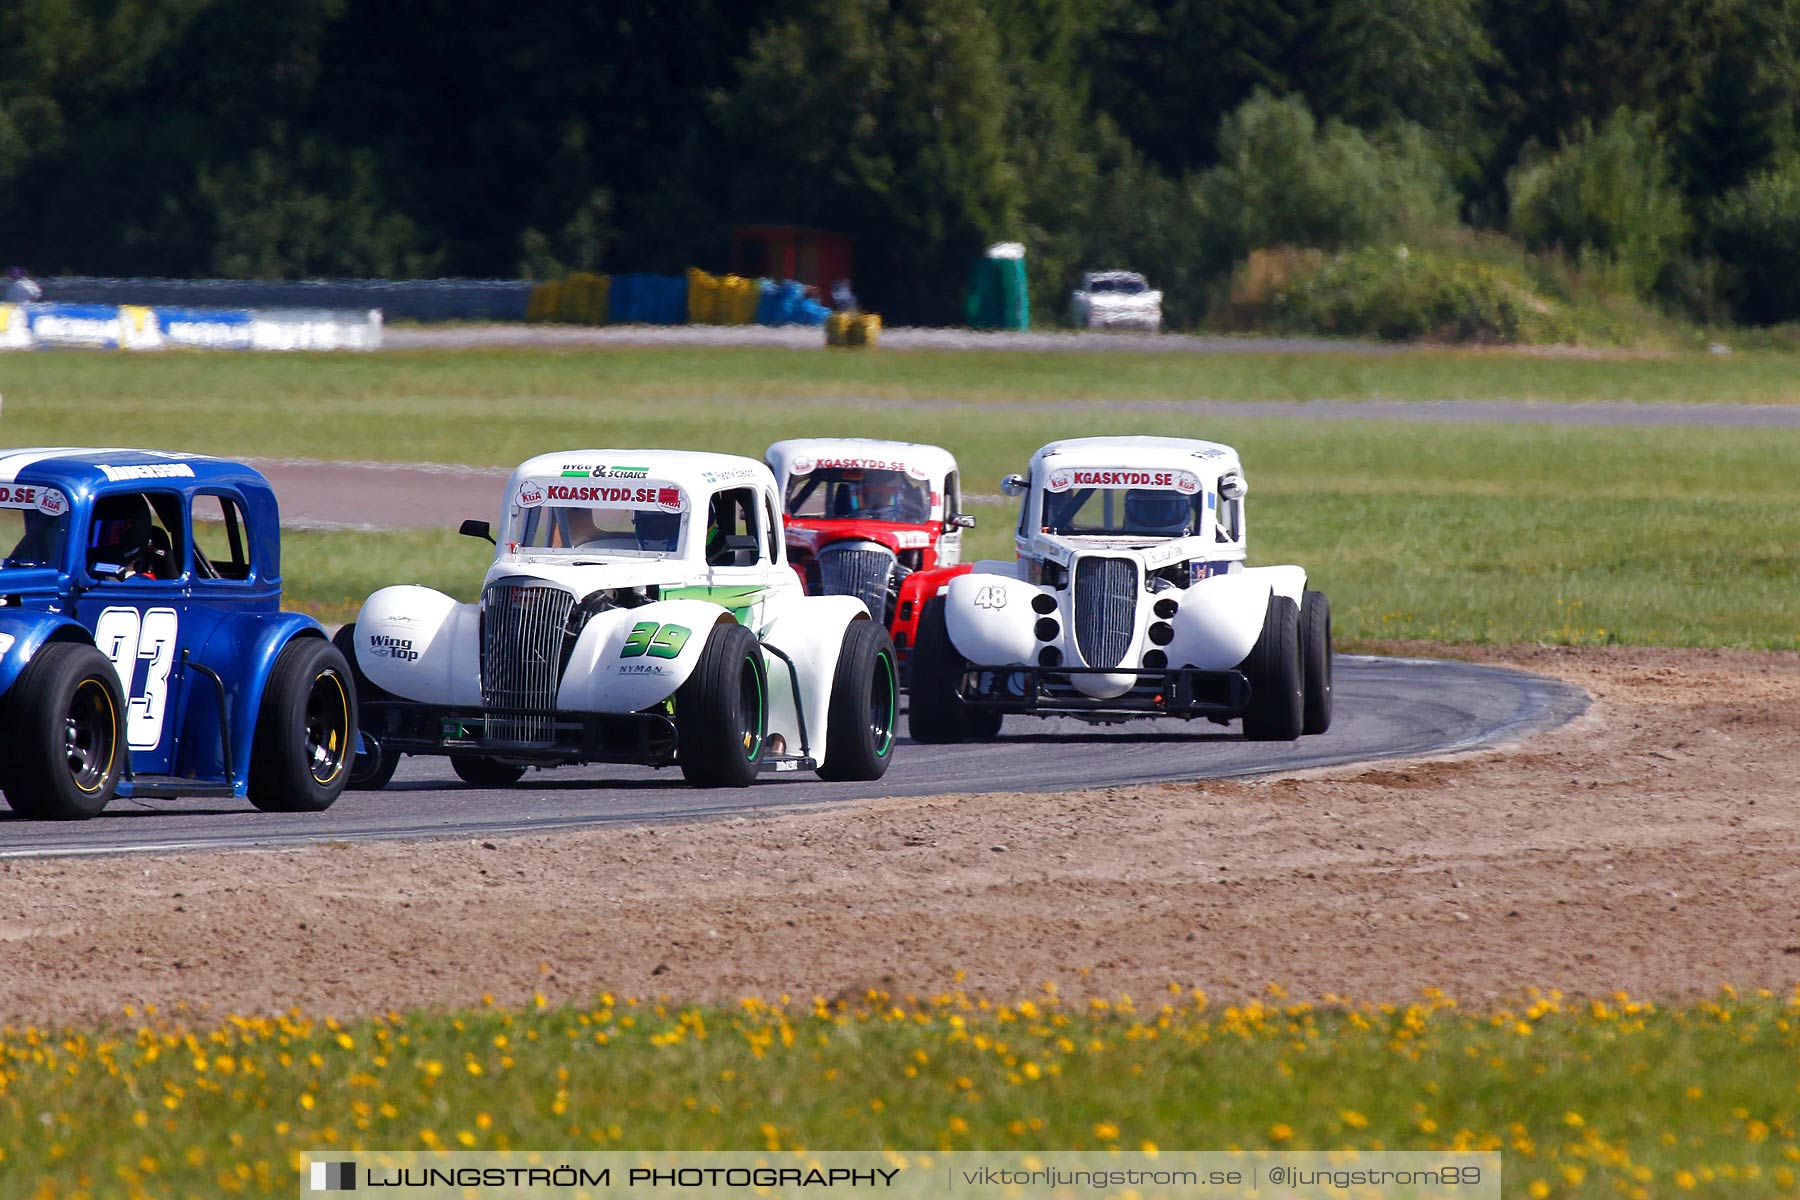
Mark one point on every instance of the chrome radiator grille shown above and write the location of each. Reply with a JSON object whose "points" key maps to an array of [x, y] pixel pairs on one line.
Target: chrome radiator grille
{"points": [[862, 572], [521, 656], [1106, 593]]}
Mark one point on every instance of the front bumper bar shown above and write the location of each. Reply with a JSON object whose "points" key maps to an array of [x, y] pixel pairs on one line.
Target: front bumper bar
{"points": [[1171, 692], [574, 737], [647, 739]]}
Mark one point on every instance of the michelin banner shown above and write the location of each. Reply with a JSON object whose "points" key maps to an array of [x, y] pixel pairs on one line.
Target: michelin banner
{"points": [[134, 327], [15, 331]]}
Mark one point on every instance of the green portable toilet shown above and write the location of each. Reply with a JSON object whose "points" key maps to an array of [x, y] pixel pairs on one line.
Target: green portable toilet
{"points": [[997, 295]]}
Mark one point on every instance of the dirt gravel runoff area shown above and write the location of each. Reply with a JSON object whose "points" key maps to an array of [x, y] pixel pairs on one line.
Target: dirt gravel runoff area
{"points": [[1652, 846]]}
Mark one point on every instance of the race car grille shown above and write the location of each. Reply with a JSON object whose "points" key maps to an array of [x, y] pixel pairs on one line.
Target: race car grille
{"points": [[1105, 609], [521, 656], [863, 573]]}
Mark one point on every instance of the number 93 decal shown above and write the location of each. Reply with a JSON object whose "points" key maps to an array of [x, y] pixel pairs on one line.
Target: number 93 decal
{"points": [[656, 641], [126, 637]]}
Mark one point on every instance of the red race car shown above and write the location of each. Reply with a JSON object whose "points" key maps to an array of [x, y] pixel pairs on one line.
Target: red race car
{"points": [[881, 521]]}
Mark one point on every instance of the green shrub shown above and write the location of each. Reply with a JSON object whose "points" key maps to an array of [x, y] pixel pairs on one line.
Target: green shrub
{"points": [[1410, 293], [1606, 200], [1755, 229], [1282, 179]]}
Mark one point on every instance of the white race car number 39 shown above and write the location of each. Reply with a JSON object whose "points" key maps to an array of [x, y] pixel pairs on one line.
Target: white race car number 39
{"points": [[125, 636]]}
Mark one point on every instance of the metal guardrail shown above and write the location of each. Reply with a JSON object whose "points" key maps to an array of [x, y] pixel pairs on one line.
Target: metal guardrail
{"points": [[398, 299]]}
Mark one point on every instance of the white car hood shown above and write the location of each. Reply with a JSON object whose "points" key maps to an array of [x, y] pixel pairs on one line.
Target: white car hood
{"points": [[1152, 552], [581, 574]]}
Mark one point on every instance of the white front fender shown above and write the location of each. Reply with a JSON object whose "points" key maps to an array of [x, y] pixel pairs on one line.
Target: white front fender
{"points": [[1221, 618], [421, 645], [810, 631], [991, 620]]}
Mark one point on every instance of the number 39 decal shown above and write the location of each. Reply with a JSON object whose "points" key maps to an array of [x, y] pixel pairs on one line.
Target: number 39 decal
{"points": [[657, 641], [125, 637]]}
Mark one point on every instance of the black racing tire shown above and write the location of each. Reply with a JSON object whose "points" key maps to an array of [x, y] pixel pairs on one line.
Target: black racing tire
{"points": [[722, 711], [982, 724], [1277, 684], [482, 771], [1315, 661], [864, 718], [64, 722], [305, 730], [369, 772], [935, 713]]}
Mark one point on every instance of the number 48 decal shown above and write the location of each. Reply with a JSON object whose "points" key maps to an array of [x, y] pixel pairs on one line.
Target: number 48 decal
{"points": [[657, 641], [126, 637]]}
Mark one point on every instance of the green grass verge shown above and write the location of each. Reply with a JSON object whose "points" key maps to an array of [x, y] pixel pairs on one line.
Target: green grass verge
{"points": [[1593, 1099], [1456, 532], [505, 403], [1471, 533]]}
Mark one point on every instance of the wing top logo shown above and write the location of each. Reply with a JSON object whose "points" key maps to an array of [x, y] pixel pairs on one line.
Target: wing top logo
{"points": [[531, 494]]}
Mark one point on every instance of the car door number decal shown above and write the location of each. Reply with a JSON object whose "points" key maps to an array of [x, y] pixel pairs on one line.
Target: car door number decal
{"points": [[125, 636], [991, 597], [658, 641]]}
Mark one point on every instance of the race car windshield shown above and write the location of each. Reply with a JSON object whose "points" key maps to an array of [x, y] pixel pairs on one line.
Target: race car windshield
{"points": [[31, 538], [1121, 287], [1123, 512], [845, 493], [637, 531]]}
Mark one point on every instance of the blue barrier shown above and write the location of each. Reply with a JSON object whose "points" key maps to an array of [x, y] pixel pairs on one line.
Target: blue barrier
{"points": [[785, 303], [641, 299]]}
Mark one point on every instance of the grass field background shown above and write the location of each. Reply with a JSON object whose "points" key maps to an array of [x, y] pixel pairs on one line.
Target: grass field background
{"points": [[1601, 1098], [1439, 531], [190, 391]]}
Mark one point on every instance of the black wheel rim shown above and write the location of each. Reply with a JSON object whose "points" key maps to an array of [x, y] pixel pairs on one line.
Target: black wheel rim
{"points": [[884, 704], [327, 727], [750, 703], [91, 735]]}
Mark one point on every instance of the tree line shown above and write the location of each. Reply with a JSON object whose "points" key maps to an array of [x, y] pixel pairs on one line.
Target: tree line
{"points": [[1654, 143]]}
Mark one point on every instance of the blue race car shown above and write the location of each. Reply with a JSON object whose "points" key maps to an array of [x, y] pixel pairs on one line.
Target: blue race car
{"points": [[142, 647]]}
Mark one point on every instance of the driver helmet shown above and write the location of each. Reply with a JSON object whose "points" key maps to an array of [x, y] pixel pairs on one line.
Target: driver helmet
{"points": [[656, 530], [1150, 510], [121, 534], [881, 490]]}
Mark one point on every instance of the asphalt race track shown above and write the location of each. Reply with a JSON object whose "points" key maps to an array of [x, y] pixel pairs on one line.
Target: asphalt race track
{"points": [[1385, 708]]}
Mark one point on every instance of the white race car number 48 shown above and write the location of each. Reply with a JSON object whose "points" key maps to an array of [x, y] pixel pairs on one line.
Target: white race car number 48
{"points": [[991, 597], [125, 636]]}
